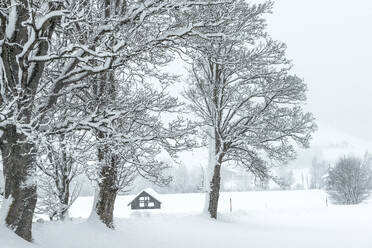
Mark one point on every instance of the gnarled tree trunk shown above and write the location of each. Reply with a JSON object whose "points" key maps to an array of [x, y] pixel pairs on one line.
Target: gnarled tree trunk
{"points": [[19, 80], [18, 163], [106, 199], [107, 186]]}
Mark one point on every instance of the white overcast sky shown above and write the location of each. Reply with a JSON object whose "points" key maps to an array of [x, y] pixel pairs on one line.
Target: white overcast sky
{"points": [[330, 44]]}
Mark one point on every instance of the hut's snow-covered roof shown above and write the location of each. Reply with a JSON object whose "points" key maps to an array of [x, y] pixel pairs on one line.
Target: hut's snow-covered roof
{"points": [[149, 191]]}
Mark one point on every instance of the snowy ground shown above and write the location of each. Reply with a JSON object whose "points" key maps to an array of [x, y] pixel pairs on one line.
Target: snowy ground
{"points": [[283, 219]]}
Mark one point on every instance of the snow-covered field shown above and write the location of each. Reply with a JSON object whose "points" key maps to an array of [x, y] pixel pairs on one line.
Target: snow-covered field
{"points": [[283, 219]]}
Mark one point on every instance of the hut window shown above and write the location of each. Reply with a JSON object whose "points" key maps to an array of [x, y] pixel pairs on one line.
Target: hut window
{"points": [[143, 201], [151, 204]]}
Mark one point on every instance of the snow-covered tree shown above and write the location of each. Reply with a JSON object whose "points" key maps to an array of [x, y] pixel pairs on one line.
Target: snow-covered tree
{"points": [[61, 160], [120, 160], [350, 180], [131, 142], [285, 179], [243, 92], [186, 179], [318, 172], [49, 49]]}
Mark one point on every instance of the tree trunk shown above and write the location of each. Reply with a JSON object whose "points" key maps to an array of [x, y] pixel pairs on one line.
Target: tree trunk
{"points": [[20, 82], [215, 183], [215, 190], [209, 168], [107, 176], [105, 203], [64, 198], [20, 188], [107, 188]]}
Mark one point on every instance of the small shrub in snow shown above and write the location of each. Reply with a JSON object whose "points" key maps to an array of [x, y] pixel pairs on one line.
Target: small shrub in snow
{"points": [[349, 182]]}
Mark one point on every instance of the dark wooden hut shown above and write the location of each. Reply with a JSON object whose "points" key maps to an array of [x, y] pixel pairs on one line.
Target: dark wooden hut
{"points": [[146, 199]]}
